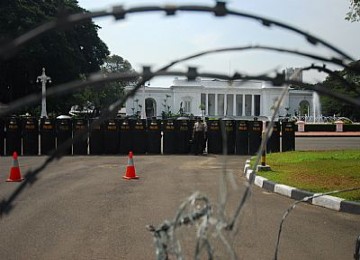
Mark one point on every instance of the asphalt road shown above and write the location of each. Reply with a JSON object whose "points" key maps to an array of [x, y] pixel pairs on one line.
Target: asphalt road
{"points": [[82, 208]]}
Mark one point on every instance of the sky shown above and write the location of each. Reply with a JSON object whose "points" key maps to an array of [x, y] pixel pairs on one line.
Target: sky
{"points": [[153, 39]]}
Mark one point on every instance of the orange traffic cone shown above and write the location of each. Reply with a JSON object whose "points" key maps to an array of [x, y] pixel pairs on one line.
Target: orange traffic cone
{"points": [[15, 175], [130, 169]]}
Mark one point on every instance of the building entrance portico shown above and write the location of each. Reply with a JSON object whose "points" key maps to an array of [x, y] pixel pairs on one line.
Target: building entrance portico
{"points": [[231, 104]]}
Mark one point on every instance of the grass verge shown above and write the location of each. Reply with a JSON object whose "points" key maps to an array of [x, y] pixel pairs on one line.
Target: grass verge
{"points": [[317, 171]]}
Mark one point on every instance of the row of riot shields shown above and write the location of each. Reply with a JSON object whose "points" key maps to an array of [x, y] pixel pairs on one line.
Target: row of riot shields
{"points": [[30, 136], [242, 137]]}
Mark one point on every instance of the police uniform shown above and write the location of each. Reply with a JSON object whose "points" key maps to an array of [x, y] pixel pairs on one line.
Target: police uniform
{"points": [[198, 137]]}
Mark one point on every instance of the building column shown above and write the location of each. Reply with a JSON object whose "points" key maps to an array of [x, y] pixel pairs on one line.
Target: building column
{"points": [[225, 104], [253, 105], [234, 104], [206, 104], [216, 104], [243, 105]]}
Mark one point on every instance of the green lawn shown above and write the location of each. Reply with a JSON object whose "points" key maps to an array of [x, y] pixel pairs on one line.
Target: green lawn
{"points": [[317, 171]]}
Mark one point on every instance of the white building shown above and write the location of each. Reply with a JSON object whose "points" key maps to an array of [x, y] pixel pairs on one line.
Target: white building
{"points": [[217, 98]]}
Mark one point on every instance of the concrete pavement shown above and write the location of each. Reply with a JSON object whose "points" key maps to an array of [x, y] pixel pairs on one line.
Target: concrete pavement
{"points": [[82, 208]]}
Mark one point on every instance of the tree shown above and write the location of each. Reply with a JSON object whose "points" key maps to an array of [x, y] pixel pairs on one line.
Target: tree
{"points": [[331, 106], [114, 90], [115, 63], [354, 14], [103, 95], [66, 54]]}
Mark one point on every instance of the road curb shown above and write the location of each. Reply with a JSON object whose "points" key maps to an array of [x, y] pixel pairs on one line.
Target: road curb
{"points": [[326, 201]]}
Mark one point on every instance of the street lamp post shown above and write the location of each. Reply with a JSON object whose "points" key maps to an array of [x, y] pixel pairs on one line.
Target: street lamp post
{"points": [[143, 110], [43, 79]]}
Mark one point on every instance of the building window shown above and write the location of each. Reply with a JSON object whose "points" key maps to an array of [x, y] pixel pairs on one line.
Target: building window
{"points": [[150, 107], [187, 106], [257, 105], [220, 101], [211, 105], [304, 108], [203, 99], [203, 103], [248, 105], [239, 105], [229, 105]]}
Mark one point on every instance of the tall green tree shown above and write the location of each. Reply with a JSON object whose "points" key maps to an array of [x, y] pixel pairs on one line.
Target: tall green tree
{"points": [[66, 54], [103, 95], [115, 63], [331, 106], [114, 90]]}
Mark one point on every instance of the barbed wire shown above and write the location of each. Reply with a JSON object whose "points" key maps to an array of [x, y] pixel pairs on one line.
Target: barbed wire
{"points": [[191, 74], [221, 224], [119, 13], [305, 199], [30, 176], [350, 86], [357, 249], [98, 78], [165, 239]]}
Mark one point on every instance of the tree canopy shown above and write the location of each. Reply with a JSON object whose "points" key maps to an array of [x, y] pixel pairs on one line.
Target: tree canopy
{"points": [[106, 94], [114, 90], [66, 54], [354, 14], [331, 106]]}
